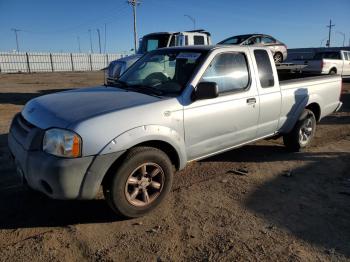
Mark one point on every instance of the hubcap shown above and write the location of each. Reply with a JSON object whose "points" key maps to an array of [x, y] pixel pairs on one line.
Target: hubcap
{"points": [[144, 184], [305, 132], [278, 58]]}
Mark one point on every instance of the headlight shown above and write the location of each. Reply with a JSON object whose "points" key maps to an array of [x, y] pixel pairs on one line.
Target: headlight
{"points": [[62, 143]]}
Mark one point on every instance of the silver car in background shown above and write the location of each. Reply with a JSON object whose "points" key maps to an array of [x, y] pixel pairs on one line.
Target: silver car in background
{"points": [[279, 49]]}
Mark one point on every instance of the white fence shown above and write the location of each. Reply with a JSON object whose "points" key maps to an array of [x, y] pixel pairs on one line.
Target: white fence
{"points": [[53, 62]]}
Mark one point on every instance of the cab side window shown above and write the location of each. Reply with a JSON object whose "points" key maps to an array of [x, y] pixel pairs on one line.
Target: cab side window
{"points": [[198, 40], [346, 56], [264, 68], [229, 71]]}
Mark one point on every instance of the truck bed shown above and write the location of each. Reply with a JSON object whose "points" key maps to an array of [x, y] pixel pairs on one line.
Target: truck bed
{"points": [[323, 89]]}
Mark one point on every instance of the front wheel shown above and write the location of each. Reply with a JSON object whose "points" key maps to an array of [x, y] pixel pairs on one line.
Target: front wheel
{"points": [[302, 133], [140, 183]]}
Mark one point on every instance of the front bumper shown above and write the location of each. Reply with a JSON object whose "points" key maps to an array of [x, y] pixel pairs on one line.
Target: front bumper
{"points": [[59, 178], [56, 177]]}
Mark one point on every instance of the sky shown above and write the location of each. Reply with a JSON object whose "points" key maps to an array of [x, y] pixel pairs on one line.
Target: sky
{"points": [[56, 26]]}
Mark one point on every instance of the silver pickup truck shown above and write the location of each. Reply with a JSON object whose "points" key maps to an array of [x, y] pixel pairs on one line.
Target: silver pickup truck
{"points": [[173, 106]]}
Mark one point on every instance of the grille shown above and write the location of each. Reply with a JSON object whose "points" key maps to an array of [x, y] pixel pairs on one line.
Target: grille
{"points": [[28, 135], [21, 126]]}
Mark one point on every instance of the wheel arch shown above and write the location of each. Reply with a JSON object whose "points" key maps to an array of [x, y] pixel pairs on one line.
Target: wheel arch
{"points": [[316, 109], [165, 147], [333, 68]]}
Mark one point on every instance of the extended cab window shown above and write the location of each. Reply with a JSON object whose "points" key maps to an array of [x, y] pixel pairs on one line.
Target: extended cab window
{"points": [[264, 68], [229, 71]]}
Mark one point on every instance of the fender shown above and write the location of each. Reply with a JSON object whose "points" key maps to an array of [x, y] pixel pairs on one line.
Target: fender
{"points": [[298, 110], [147, 133], [118, 146]]}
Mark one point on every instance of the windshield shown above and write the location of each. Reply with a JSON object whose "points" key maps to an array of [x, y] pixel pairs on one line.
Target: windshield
{"points": [[166, 72], [152, 42], [235, 40]]}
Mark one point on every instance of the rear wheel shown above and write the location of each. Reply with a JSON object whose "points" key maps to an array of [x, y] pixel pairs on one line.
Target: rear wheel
{"points": [[140, 183], [302, 133], [278, 58], [333, 71]]}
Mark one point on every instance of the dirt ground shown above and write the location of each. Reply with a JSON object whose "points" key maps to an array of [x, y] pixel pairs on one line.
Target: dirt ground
{"points": [[289, 207]]}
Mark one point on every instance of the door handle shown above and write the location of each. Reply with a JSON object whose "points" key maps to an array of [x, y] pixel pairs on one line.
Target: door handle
{"points": [[251, 101]]}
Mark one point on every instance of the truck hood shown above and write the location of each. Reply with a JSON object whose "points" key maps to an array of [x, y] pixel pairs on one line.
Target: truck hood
{"points": [[69, 107]]}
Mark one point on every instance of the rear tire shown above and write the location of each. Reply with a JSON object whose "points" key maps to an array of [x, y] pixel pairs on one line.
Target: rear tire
{"points": [[302, 133], [333, 71], [140, 183], [278, 58]]}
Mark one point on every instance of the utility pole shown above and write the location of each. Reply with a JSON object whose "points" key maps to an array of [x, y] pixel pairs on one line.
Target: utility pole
{"points": [[99, 39], [134, 3], [78, 38], [15, 30], [193, 21], [329, 33], [91, 51]]}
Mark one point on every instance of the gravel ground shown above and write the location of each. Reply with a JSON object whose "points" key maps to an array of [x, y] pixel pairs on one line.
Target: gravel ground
{"points": [[289, 206]]}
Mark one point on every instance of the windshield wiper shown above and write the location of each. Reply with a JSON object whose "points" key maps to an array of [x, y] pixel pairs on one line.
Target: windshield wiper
{"points": [[144, 89], [138, 88], [119, 82]]}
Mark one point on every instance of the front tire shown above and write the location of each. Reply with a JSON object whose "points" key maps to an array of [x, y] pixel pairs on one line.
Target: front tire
{"points": [[140, 183], [302, 133]]}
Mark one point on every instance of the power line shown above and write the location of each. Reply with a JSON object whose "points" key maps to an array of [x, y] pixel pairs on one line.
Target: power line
{"points": [[341, 33], [134, 3], [329, 33], [114, 16], [15, 30]]}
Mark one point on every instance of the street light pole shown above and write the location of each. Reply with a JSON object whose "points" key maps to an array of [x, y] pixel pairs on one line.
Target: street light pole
{"points": [[193, 21], [99, 39], [78, 38], [91, 51], [134, 3]]}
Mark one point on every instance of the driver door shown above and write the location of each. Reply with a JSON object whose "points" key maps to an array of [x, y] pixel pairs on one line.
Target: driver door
{"points": [[214, 125]]}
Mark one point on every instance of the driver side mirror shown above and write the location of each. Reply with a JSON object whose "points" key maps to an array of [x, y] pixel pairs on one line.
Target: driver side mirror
{"points": [[205, 90]]}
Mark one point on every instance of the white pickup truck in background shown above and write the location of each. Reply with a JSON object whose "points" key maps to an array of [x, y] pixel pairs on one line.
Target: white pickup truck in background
{"points": [[328, 62], [154, 41]]}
